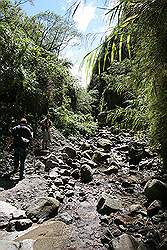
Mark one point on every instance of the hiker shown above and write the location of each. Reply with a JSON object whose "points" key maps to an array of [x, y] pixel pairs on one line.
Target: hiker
{"points": [[45, 127], [21, 137]]}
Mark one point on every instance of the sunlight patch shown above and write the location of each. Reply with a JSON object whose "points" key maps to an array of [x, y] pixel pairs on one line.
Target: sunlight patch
{"points": [[84, 15]]}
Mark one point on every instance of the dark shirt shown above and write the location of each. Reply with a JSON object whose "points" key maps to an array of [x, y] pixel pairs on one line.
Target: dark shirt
{"points": [[20, 134]]}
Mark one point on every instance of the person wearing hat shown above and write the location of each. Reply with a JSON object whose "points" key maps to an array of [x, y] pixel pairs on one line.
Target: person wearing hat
{"points": [[22, 135]]}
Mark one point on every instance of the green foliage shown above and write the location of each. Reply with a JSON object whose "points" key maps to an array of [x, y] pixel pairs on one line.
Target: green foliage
{"points": [[70, 123], [54, 33], [32, 77], [141, 34]]}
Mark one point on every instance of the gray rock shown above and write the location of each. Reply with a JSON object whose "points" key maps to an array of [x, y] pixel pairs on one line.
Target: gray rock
{"points": [[58, 196], [58, 182], [85, 146], [43, 208], [75, 174], [19, 214], [65, 156], [125, 241], [50, 235], [111, 170], [137, 209], [91, 163], [4, 219], [71, 183], [66, 218], [53, 174], [65, 179], [71, 152], [86, 174], [154, 208], [156, 190], [9, 245], [86, 155], [104, 143], [53, 158], [107, 204], [100, 156], [50, 164], [39, 167], [69, 193], [6, 211], [65, 172]]}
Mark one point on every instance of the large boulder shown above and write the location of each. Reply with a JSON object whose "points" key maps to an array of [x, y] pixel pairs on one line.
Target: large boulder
{"points": [[48, 236], [71, 152], [100, 156], [53, 173], [156, 190], [104, 143], [126, 242], [86, 173], [85, 146], [136, 153], [9, 245], [50, 164], [7, 211], [91, 163], [44, 208], [107, 204]]}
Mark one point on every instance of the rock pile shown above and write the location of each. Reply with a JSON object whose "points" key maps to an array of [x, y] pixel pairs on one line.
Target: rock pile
{"points": [[105, 191]]}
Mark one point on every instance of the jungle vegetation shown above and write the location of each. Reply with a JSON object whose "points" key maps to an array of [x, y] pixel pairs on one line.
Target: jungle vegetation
{"points": [[128, 87], [129, 71], [34, 78]]}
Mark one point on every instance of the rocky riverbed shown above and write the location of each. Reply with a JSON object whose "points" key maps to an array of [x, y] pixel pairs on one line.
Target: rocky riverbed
{"points": [[101, 192]]}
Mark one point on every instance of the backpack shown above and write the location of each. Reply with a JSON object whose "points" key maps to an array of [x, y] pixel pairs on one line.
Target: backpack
{"points": [[19, 139]]}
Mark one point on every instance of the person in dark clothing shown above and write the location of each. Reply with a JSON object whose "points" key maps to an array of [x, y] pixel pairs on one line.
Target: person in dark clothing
{"points": [[21, 138]]}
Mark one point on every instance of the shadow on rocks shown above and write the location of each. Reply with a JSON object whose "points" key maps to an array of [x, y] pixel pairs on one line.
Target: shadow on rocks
{"points": [[6, 182]]}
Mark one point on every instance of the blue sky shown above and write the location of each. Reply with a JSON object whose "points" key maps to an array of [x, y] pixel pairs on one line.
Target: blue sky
{"points": [[89, 19]]}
